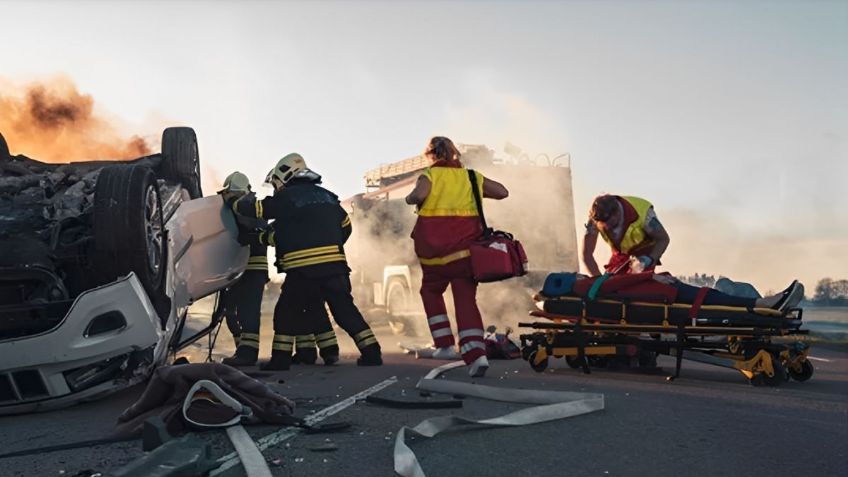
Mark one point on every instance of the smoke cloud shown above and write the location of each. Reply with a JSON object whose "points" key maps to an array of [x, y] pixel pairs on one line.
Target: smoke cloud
{"points": [[53, 122]]}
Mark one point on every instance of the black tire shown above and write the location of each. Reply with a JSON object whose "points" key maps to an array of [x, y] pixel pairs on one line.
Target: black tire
{"points": [[4, 148], [537, 367], [804, 374], [129, 233], [397, 308], [181, 160], [779, 373]]}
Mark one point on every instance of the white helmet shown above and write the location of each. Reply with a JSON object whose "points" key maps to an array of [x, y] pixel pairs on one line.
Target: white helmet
{"points": [[236, 182], [287, 168]]}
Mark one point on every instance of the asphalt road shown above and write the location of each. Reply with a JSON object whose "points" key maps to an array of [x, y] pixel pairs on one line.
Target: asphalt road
{"points": [[708, 422]]}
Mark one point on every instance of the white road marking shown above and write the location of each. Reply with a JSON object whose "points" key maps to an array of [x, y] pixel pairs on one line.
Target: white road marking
{"points": [[813, 358], [231, 460]]}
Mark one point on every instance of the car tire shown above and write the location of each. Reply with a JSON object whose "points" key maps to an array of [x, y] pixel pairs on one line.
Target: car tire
{"points": [[129, 232], [181, 160], [4, 148]]}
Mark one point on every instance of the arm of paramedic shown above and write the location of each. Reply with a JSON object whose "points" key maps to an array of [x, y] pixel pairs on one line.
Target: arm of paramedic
{"points": [[420, 192], [347, 227], [657, 232], [494, 189], [590, 240]]}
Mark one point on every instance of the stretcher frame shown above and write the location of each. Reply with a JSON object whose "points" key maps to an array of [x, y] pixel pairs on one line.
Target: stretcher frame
{"points": [[635, 335]]}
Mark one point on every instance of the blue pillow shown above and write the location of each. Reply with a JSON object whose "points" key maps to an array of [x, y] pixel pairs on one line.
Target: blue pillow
{"points": [[559, 284]]}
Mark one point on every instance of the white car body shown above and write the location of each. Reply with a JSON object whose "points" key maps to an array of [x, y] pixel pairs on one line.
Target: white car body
{"points": [[71, 362]]}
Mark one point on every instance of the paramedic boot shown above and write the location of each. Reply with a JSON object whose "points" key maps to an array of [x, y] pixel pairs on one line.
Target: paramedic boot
{"points": [[280, 361], [478, 368], [244, 356], [371, 356], [446, 352]]}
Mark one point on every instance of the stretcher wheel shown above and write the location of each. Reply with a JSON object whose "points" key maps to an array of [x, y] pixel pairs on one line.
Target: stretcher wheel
{"points": [[779, 374], [527, 351], [537, 367], [574, 362], [804, 374]]}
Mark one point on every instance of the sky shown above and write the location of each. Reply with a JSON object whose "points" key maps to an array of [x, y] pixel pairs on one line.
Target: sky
{"points": [[731, 117]]}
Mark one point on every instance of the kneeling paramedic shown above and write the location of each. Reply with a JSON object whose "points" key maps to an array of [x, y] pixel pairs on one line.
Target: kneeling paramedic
{"points": [[309, 231], [631, 228], [242, 302]]}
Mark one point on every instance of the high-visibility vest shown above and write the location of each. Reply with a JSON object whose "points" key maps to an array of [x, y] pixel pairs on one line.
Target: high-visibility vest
{"points": [[450, 193], [634, 237], [448, 221]]}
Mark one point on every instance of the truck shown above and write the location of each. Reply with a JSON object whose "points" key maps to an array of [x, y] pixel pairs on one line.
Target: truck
{"points": [[386, 275]]}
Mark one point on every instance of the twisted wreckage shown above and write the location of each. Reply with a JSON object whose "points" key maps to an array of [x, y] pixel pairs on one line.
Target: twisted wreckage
{"points": [[100, 263]]}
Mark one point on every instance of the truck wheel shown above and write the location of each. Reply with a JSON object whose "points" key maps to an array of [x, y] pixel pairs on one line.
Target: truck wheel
{"points": [[129, 233], [181, 161], [397, 306]]}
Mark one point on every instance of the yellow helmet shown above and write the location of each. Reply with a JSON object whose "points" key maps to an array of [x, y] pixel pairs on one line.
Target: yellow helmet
{"points": [[236, 182], [287, 168]]}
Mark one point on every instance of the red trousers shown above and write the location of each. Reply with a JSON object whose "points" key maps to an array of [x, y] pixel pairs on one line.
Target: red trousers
{"points": [[458, 275]]}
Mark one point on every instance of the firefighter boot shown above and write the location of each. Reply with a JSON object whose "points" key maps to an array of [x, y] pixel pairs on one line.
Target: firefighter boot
{"points": [[304, 355], [330, 354], [280, 361], [328, 347], [371, 356], [244, 356]]}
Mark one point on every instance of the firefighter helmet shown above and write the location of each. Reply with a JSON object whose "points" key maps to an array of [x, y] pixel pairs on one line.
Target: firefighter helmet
{"points": [[236, 182], [287, 168]]}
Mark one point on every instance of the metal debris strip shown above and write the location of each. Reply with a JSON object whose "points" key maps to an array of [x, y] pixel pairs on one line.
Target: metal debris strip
{"points": [[550, 405], [231, 460]]}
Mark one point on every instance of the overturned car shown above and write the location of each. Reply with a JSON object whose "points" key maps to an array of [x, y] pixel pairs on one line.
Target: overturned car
{"points": [[100, 263]]}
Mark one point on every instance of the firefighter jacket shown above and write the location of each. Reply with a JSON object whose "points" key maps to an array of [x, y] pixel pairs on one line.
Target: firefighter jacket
{"points": [[309, 227], [634, 241], [448, 221]]}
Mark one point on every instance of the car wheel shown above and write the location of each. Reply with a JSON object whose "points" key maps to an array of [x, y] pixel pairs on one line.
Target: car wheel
{"points": [[129, 232], [181, 160], [4, 148]]}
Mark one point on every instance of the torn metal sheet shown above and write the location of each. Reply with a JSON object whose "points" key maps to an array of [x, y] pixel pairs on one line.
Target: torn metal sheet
{"points": [[550, 406]]}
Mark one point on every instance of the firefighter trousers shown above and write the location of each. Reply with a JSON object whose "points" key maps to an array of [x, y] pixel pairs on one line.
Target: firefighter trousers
{"points": [[300, 312], [323, 336], [435, 282], [242, 305]]}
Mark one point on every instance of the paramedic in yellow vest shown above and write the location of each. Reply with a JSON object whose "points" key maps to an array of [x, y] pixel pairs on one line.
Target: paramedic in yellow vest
{"points": [[631, 228], [448, 223]]}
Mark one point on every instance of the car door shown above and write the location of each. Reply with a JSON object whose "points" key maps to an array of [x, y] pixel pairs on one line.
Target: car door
{"points": [[203, 238]]}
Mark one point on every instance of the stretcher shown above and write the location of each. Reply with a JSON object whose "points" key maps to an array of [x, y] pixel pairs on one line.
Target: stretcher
{"points": [[757, 342]]}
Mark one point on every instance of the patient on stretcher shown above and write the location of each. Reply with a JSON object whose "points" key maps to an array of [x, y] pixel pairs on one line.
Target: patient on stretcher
{"points": [[662, 288]]}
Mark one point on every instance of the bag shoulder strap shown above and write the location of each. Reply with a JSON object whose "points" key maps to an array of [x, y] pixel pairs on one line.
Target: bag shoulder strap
{"points": [[472, 176]]}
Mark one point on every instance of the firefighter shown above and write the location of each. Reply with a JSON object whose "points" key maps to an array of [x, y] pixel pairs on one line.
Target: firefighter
{"points": [[309, 231], [448, 222], [242, 301], [631, 228]]}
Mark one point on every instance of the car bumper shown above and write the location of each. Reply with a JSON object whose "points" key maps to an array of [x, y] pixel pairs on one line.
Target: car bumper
{"points": [[95, 349]]}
